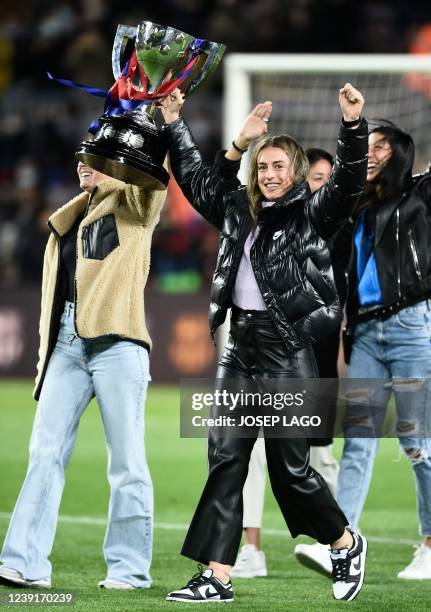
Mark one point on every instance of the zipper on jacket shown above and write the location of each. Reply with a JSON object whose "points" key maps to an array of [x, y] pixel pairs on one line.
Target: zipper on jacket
{"points": [[257, 270], [398, 252], [414, 254], [228, 284], [57, 237], [350, 263], [49, 347], [75, 284]]}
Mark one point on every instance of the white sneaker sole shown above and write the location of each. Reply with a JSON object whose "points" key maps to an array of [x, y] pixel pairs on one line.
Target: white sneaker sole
{"points": [[198, 601], [23, 583], [115, 587], [414, 577], [313, 564]]}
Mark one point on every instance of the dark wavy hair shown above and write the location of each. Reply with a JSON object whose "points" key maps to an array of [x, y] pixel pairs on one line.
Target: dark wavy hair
{"points": [[395, 176]]}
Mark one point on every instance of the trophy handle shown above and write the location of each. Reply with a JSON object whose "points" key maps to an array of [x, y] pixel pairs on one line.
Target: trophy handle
{"points": [[124, 36], [212, 52]]}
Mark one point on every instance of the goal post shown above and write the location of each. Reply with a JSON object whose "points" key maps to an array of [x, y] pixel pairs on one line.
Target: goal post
{"points": [[304, 91]]}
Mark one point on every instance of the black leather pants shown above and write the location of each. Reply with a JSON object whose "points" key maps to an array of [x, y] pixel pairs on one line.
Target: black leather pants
{"points": [[256, 350], [326, 354]]}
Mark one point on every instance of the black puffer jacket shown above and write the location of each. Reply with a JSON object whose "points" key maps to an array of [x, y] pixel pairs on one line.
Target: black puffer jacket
{"points": [[290, 258]]}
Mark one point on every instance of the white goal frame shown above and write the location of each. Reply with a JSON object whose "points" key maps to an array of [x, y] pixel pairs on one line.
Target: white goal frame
{"points": [[238, 68]]}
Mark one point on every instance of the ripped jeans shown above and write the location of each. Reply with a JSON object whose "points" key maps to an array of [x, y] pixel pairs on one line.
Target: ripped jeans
{"points": [[117, 373], [398, 353]]}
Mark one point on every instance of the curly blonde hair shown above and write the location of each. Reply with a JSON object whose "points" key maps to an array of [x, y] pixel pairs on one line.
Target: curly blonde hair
{"points": [[299, 165]]}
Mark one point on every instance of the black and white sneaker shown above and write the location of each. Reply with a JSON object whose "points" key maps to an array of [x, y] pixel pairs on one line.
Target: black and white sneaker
{"points": [[348, 568], [203, 588]]}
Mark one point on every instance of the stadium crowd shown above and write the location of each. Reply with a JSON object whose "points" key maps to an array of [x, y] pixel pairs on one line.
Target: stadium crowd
{"points": [[278, 240], [42, 123]]}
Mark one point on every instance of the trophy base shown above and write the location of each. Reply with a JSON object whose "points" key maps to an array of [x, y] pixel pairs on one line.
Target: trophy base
{"points": [[117, 168], [128, 148]]}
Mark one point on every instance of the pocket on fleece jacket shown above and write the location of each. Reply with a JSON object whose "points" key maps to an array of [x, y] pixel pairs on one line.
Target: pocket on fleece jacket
{"points": [[100, 238]]}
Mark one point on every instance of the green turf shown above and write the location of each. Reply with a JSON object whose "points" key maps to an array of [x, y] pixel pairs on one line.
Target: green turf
{"points": [[178, 468]]}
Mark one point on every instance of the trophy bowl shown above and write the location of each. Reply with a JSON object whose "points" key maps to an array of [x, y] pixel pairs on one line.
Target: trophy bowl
{"points": [[148, 62]]}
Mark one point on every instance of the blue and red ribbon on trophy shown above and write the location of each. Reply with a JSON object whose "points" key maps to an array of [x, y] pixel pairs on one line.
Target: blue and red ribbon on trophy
{"points": [[124, 96]]}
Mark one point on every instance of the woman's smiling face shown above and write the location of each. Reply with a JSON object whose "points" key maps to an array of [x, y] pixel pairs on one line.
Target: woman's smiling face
{"points": [[319, 174], [379, 153], [88, 177], [274, 172]]}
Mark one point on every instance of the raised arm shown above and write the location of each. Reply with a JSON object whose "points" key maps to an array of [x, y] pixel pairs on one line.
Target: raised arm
{"points": [[227, 163], [202, 186], [145, 204], [334, 203]]}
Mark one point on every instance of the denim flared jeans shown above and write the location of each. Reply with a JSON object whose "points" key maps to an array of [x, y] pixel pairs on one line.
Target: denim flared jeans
{"points": [[117, 374]]}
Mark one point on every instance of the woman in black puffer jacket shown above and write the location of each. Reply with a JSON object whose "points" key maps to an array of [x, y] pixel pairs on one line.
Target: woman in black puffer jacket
{"points": [[274, 272]]}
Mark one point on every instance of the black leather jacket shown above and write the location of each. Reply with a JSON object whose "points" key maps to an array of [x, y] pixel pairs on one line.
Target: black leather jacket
{"points": [[402, 247], [290, 258]]}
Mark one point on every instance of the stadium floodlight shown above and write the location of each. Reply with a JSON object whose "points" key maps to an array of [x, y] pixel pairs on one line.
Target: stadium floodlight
{"points": [[304, 88]]}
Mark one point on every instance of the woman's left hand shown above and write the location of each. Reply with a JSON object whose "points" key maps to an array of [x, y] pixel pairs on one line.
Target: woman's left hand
{"points": [[351, 102], [255, 124], [171, 105]]}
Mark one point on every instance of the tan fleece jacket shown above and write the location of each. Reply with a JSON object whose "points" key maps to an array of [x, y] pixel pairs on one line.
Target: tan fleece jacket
{"points": [[109, 296]]}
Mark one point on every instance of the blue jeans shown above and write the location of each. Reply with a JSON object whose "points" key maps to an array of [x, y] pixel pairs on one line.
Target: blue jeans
{"points": [[117, 373], [398, 353]]}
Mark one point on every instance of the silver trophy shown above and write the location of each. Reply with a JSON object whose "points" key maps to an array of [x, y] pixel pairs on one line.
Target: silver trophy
{"points": [[148, 62]]}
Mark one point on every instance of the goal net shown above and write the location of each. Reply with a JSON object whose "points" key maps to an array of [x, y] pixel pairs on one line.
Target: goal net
{"points": [[304, 92]]}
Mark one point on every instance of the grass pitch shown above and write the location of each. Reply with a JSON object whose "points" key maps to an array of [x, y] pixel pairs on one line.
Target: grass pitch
{"points": [[178, 467]]}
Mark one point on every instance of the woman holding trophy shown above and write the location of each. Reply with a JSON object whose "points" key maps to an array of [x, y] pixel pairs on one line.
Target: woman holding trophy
{"points": [[274, 272], [94, 340], [93, 343]]}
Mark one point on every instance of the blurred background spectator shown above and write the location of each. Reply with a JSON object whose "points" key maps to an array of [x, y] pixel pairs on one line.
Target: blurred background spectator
{"points": [[41, 123]]}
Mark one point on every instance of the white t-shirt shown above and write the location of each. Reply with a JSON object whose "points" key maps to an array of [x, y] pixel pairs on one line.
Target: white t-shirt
{"points": [[246, 293]]}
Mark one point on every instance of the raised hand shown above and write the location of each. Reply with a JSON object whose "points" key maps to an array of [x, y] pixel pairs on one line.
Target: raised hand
{"points": [[351, 102], [171, 105], [255, 125]]}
